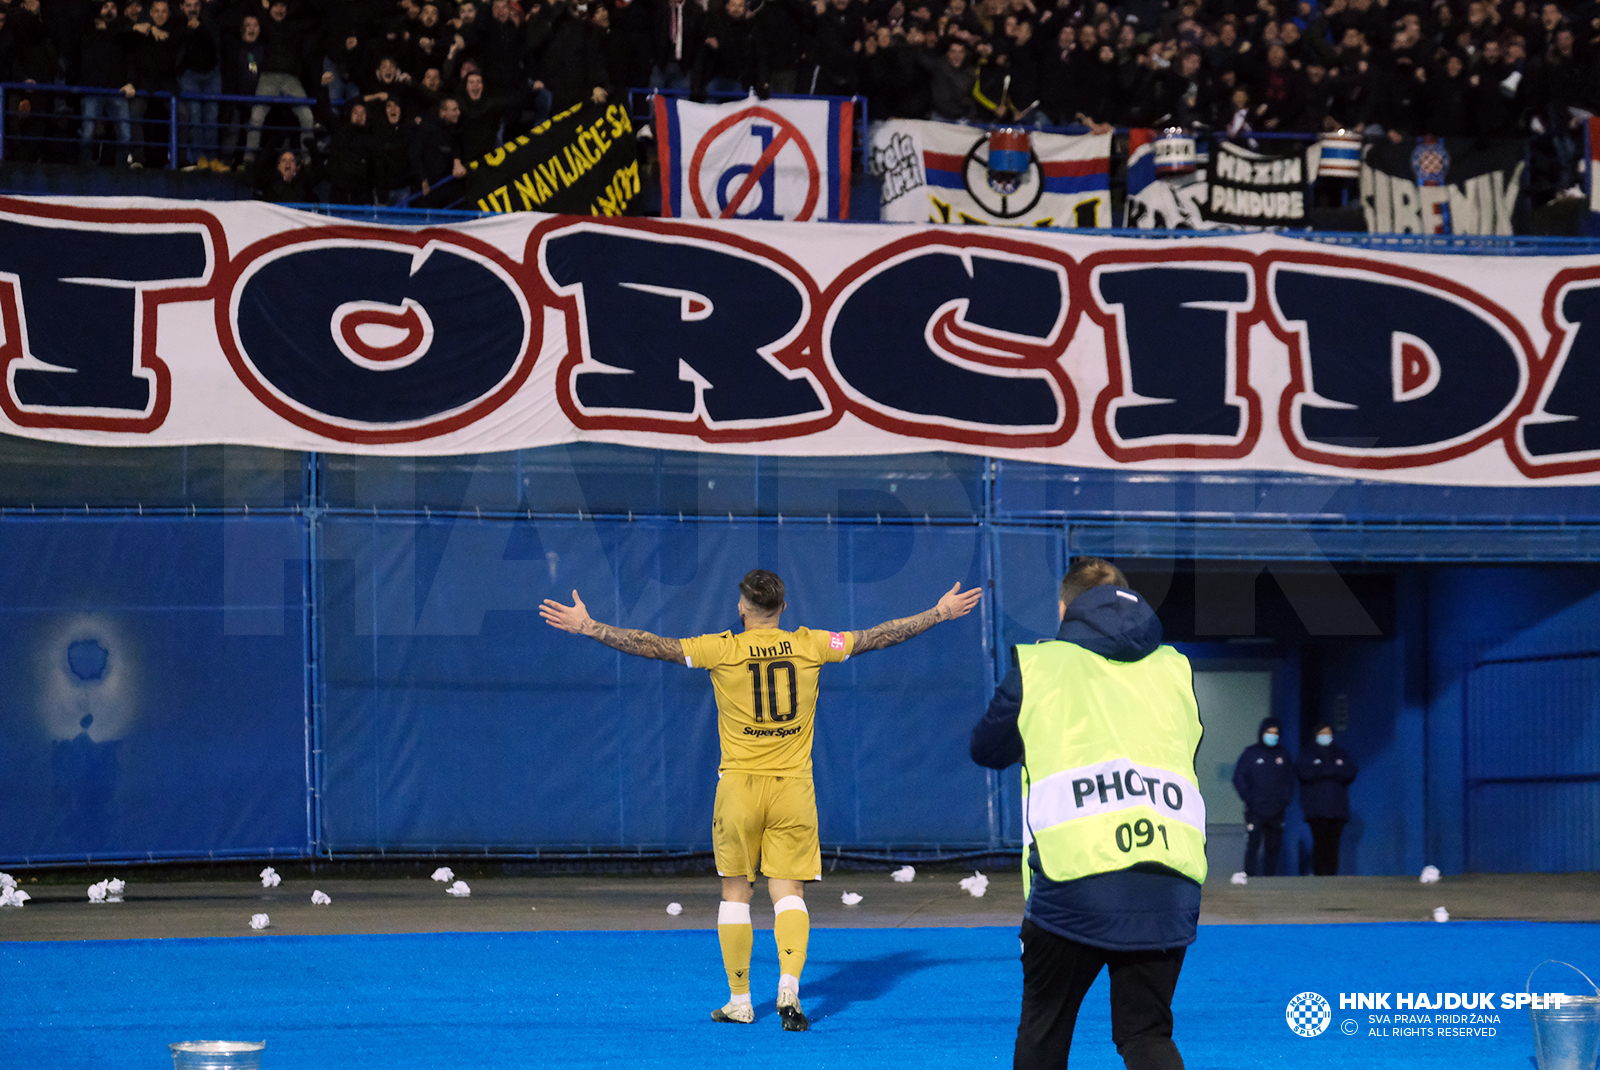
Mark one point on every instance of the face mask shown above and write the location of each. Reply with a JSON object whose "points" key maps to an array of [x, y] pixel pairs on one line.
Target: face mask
{"points": [[1270, 739], [1324, 740]]}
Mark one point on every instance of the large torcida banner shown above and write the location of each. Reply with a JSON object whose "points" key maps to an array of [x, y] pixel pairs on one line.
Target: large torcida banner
{"points": [[148, 323]]}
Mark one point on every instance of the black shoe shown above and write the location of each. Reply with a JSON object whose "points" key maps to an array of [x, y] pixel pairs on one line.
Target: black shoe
{"points": [[794, 1019]]}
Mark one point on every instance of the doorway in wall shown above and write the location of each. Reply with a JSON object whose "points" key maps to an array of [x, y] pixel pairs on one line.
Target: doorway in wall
{"points": [[1234, 695]]}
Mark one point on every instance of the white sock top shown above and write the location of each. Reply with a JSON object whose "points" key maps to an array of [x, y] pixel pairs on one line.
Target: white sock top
{"points": [[789, 981], [733, 913], [790, 902]]}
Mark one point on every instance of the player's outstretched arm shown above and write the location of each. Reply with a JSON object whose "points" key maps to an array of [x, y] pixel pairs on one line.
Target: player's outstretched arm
{"points": [[575, 618], [955, 603]]}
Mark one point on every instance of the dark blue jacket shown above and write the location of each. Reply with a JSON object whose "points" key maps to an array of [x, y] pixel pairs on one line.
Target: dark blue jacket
{"points": [[1325, 774], [1136, 909], [1264, 776]]}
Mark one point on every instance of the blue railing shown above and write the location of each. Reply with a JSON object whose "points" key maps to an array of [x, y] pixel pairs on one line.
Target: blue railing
{"points": [[38, 114], [399, 216]]}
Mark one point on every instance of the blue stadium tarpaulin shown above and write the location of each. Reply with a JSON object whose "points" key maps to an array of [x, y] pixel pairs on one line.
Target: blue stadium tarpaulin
{"points": [[155, 711], [465, 721]]}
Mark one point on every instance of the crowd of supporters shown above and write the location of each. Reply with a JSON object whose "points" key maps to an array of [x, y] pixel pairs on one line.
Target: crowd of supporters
{"points": [[400, 92]]}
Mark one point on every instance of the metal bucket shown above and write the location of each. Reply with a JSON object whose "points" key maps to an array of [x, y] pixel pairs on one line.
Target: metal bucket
{"points": [[1339, 155], [1567, 1037], [217, 1054]]}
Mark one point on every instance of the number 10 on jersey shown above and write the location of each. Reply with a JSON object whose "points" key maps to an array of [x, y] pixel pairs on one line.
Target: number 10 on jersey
{"points": [[772, 669]]}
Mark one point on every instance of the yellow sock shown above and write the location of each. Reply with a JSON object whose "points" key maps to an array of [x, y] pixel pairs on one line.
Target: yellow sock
{"points": [[792, 929], [737, 937]]}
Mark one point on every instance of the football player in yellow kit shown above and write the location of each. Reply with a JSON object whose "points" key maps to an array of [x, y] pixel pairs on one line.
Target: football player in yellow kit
{"points": [[765, 816]]}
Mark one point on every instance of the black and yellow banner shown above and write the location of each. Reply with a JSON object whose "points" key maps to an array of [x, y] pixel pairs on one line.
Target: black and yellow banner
{"points": [[581, 162]]}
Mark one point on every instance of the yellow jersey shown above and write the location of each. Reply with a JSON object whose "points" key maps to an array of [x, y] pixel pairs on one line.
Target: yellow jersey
{"points": [[766, 687]]}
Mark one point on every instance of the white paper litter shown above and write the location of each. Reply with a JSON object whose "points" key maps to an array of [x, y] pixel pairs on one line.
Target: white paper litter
{"points": [[1441, 914], [320, 898], [850, 899], [7, 881], [13, 897], [443, 874], [1430, 875], [459, 888], [977, 884], [259, 921], [905, 874], [674, 909], [270, 878], [1238, 878], [107, 891]]}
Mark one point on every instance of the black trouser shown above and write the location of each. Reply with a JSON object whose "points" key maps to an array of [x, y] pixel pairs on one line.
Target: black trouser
{"points": [[1325, 833], [1057, 972], [1266, 832]]}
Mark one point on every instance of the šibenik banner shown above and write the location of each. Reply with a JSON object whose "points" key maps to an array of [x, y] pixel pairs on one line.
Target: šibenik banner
{"points": [[755, 159], [1429, 185], [949, 173], [156, 323]]}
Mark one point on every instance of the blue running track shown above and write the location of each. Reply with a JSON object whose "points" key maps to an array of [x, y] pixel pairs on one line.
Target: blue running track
{"points": [[879, 999]]}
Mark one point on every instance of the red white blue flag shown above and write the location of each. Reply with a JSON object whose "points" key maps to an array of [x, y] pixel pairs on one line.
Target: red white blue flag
{"points": [[785, 159], [942, 173]]}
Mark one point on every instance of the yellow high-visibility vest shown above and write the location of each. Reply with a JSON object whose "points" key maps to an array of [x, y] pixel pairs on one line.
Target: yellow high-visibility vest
{"points": [[1108, 762]]}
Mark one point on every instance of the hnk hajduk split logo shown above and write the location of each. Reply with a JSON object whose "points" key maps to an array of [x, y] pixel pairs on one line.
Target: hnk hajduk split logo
{"points": [[1308, 1014], [1468, 1014]]}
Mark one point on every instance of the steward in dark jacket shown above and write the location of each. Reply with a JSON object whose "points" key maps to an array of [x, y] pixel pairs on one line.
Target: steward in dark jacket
{"points": [[1138, 919], [1127, 909], [1325, 771], [1264, 779]]}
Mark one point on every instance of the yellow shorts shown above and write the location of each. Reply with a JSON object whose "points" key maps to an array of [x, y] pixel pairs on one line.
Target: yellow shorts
{"points": [[770, 821]]}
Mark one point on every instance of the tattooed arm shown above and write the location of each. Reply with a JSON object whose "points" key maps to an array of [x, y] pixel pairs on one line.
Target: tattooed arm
{"points": [[575, 618], [955, 603]]}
